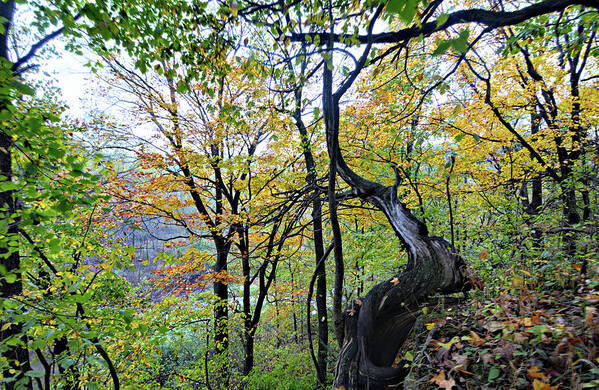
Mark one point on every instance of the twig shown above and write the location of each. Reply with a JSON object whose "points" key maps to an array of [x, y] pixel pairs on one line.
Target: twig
{"points": [[410, 383]]}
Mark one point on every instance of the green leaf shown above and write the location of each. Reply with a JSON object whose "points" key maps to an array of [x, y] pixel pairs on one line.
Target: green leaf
{"points": [[181, 86], [316, 113], [442, 47], [493, 373], [8, 186], [34, 124], [35, 373], [461, 42], [10, 278], [409, 11], [54, 245], [442, 19], [395, 6], [23, 88], [66, 363]]}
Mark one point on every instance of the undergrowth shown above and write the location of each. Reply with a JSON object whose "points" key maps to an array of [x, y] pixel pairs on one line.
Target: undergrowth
{"points": [[538, 329]]}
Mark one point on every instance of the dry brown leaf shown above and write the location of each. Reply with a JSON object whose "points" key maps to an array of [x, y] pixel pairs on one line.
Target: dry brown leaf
{"points": [[520, 338], [487, 358], [590, 312], [358, 302], [442, 382], [395, 281], [461, 360], [527, 321]]}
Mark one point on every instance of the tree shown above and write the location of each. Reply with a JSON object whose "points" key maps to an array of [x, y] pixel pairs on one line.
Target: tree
{"points": [[433, 266], [215, 173]]}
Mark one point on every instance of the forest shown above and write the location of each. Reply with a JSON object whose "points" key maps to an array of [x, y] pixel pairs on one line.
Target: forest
{"points": [[299, 194]]}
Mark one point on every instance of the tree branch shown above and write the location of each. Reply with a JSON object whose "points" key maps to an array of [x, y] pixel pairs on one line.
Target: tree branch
{"points": [[491, 19], [37, 46]]}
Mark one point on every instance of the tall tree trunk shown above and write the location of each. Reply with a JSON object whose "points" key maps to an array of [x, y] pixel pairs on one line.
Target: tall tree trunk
{"points": [[321, 280], [571, 216], [532, 206], [221, 307], [248, 331], [16, 355], [331, 119]]}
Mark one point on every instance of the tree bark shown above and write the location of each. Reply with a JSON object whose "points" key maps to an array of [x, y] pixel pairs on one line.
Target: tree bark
{"points": [[17, 355], [321, 279], [376, 326], [221, 307]]}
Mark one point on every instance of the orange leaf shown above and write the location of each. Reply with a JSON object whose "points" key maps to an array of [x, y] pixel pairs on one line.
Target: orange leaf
{"points": [[590, 312], [483, 254], [534, 373], [395, 281], [443, 382], [538, 385]]}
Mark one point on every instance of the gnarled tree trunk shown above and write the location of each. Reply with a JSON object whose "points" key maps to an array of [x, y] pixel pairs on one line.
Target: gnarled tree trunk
{"points": [[376, 326]]}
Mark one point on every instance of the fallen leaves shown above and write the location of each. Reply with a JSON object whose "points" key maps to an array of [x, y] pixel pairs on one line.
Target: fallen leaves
{"points": [[590, 312], [442, 381], [474, 339], [523, 337], [538, 385], [534, 373]]}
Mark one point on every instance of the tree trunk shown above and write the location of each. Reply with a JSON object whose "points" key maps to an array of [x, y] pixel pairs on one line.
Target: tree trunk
{"points": [[331, 118], [532, 206], [321, 279], [221, 308], [321, 290], [16, 355], [248, 362]]}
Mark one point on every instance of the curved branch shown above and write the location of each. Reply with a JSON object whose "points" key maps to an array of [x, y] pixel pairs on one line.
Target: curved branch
{"points": [[492, 19]]}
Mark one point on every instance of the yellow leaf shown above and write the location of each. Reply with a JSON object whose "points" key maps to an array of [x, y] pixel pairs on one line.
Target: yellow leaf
{"points": [[517, 281], [475, 339], [538, 385], [534, 373], [234, 7]]}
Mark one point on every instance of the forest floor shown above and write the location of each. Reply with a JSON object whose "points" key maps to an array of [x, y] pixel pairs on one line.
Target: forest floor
{"points": [[530, 330]]}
